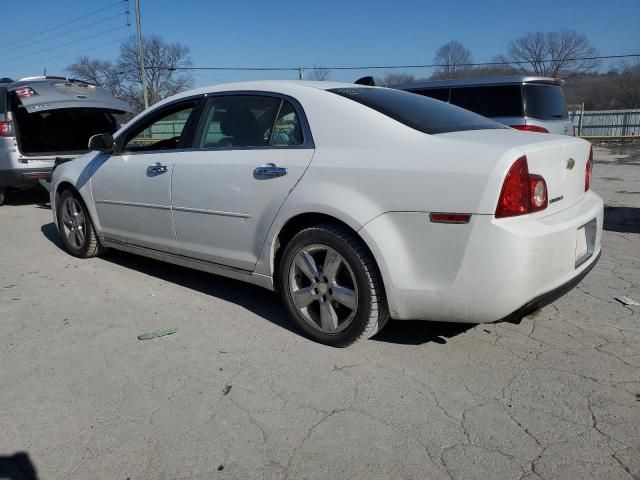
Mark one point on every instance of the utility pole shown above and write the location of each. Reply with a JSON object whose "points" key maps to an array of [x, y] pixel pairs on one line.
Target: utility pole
{"points": [[143, 74]]}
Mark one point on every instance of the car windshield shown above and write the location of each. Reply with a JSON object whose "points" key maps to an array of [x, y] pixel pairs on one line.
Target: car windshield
{"points": [[545, 102], [416, 111]]}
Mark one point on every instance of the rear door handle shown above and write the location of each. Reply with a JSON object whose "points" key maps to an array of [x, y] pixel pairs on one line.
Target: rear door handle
{"points": [[270, 170], [156, 169]]}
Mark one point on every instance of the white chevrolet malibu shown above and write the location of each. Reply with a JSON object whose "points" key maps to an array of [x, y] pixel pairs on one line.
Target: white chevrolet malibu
{"points": [[358, 204]]}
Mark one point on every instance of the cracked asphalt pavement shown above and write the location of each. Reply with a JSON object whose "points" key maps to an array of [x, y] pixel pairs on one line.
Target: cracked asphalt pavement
{"points": [[238, 393]]}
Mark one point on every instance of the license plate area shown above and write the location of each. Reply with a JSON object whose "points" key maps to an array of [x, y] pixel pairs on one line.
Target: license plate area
{"points": [[585, 242]]}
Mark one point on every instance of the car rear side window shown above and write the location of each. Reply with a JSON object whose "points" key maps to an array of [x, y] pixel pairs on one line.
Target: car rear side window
{"points": [[492, 101], [416, 111], [545, 102]]}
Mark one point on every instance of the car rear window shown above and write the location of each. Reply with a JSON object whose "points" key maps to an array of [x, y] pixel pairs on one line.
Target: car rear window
{"points": [[492, 101], [545, 102], [416, 111]]}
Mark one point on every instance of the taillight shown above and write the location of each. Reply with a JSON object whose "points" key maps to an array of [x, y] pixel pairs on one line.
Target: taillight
{"points": [[521, 193], [538, 189], [588, 169], [6, 129], [530, 128], [25, 92]]}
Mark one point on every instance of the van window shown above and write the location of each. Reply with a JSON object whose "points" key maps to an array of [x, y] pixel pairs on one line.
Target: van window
{"points": [[545, 102], [437, 93], [418, 112], [493, 101]]}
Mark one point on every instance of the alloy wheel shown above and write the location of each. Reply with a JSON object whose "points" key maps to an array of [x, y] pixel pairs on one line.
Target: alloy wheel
{"points": [[74, 223], [323, 288]]}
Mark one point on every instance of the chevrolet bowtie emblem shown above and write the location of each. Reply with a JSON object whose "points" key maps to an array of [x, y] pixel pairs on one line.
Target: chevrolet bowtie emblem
{"points": [[571, 163]]}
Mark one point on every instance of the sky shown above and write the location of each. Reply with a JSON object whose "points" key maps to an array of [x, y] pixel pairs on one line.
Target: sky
{"points": [[289, 33]]}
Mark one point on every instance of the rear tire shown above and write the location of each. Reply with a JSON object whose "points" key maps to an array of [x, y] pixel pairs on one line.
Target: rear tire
{"points": [[75, 225], [331, 286], [3, 196]]}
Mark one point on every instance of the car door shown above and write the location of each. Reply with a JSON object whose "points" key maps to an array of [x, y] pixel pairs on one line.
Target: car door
{"points": [[250, 151], [132, 187]]}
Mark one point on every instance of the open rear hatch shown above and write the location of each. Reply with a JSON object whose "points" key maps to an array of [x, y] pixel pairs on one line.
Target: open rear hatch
{"points": [[56, 117]]}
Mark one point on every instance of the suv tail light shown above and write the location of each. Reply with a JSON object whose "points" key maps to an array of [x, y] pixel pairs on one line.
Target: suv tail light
{"points": [[530, 128], [588, 169], [521, 193], [6, 129], [24, 92]]}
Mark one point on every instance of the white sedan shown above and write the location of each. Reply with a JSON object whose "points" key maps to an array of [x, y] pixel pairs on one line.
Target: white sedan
{"points": [[358, 204]]}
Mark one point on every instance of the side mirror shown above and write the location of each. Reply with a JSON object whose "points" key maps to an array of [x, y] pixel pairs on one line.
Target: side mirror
{"points": [[102, 143]]}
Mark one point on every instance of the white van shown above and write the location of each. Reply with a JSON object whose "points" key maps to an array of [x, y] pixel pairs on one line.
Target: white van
{"points": [[535, 104], [49, 119]]}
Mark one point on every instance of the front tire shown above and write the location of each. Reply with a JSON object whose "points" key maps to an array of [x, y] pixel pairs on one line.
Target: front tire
{"points": [[331, 286], [78, 234], [3, 195]]}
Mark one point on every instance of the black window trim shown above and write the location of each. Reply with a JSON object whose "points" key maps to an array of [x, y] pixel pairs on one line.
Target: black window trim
{"points": [[307, 138]]}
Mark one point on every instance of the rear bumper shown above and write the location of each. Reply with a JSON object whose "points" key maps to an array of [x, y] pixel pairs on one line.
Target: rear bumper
{"points": [[482, 271], [24, 176]]}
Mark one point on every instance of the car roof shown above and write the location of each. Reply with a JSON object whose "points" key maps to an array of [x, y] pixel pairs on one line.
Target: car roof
{"points": [[480, 81], [284, 87]]}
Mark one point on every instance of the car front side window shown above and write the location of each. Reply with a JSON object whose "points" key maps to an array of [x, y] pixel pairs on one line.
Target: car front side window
{"points": [[164, 131]]}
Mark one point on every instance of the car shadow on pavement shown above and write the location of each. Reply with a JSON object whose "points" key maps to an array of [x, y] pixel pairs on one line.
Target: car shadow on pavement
{"points": [[51, 233], [419, 332], [622, 219], [17, 467], [37, 195], [260, 301]]}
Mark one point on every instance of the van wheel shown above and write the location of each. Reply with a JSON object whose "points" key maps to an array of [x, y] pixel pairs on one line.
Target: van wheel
{"points": [[78, 235], [331, 286], [3, 193]]}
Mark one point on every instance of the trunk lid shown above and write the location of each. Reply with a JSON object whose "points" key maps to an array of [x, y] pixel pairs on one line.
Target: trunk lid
{"points": [[40, 95], [560, 160]]}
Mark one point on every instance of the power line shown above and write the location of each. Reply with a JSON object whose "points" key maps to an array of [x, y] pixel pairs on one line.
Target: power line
{"points": [[390, 67], [40, 62], [69, 22], [64, 44], [57, 35]]}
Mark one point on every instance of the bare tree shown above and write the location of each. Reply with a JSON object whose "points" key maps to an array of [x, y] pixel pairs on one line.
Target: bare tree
{"points": [[318, 73], [628, 85], [163, 64], [453, 58], [551, 54], [395, 79]]}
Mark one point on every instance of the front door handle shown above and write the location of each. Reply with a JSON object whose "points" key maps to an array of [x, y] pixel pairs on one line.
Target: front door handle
{"points": [[156, 169], [269, 170]]}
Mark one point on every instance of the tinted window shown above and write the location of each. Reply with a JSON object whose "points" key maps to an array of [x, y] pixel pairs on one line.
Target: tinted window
{"points": [[162, 132], [502, 101], [286, 130], [238, 121], [418, 112], [3, 101], [545, 102], [437, 93]]}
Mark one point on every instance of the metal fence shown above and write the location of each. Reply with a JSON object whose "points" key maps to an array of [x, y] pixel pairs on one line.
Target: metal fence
{"points": [[606, 123]]}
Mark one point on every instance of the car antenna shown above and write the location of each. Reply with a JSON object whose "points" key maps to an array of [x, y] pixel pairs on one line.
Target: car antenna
{"points": [[366, 81]]}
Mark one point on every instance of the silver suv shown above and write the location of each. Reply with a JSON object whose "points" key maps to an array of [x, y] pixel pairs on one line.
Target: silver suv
{"points": [[534, 104], [49, 119]]}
